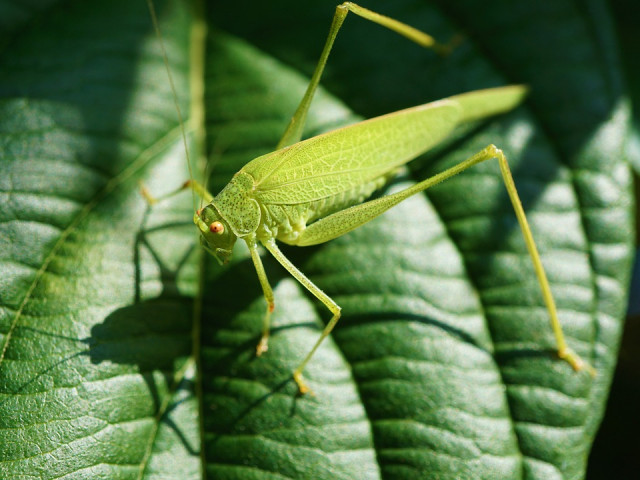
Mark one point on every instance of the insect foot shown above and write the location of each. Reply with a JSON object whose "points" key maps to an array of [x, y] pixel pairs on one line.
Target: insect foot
{"points": [[263, 345], [576, 362], [147, 195], [303, 389]]}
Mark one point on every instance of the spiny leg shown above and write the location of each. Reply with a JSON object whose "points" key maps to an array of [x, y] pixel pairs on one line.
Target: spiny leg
{"points": [[333, 307], [263, 344], [293, 133]]}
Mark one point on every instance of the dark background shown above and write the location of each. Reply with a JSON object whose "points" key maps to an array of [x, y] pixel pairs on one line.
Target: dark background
{"points": [[616, 451]]}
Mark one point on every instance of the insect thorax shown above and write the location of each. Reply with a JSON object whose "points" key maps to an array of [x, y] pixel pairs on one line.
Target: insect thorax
{"points": [[236, 205]]}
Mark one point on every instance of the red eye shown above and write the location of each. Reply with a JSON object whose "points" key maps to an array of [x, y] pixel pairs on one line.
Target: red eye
{"points": [[216, 227], [198, 211]]}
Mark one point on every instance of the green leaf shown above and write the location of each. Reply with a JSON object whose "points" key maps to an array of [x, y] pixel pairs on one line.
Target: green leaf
{"points": [[443, 365]]}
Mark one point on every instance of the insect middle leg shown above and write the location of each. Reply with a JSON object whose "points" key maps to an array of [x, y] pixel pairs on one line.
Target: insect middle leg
{"points": [[263, 344], [333, 307]]}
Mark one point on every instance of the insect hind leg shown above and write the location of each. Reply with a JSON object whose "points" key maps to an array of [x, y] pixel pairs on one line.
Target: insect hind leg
{"points": [[488, 153], [564, 351], [293, 133]]}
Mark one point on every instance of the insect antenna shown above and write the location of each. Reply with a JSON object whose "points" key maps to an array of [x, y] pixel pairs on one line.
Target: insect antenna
{"points": [[156, 27]]}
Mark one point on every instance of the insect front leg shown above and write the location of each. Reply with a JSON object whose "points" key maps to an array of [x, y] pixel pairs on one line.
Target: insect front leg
{"points": [[192, 185], [333, 307], [263, 344]]}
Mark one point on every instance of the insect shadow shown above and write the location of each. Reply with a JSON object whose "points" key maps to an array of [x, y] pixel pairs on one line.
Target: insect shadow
{"points": [[155, 335], [152, 335]]}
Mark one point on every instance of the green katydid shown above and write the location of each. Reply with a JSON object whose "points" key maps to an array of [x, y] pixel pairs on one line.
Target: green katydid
{"points": [[311, 191]]}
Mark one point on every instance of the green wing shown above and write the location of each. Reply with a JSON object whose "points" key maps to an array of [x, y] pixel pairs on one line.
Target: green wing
{"points": [[343, 159]]}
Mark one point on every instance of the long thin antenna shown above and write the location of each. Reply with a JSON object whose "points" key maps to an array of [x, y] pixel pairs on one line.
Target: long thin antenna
{"points": [[199, 117], [156, 27]]}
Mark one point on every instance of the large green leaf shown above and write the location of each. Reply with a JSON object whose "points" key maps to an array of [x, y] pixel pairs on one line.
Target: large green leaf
{"points": [[443, 366]]}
